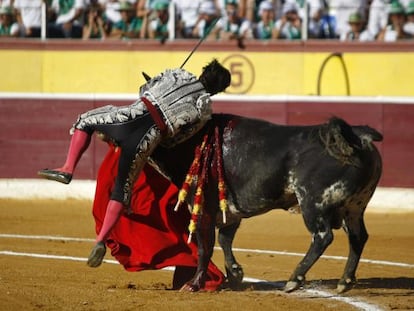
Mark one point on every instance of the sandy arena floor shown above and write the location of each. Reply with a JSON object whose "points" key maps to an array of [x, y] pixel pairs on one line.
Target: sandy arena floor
{"points": [[40, 272]]}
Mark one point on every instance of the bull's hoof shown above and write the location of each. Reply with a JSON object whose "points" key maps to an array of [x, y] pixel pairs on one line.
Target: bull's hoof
{"points": [[345, 284], [189, 287], [293, 285], [235, 276]]}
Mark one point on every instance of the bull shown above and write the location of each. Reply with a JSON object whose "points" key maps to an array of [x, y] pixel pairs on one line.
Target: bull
{"points": [[328, 172]]}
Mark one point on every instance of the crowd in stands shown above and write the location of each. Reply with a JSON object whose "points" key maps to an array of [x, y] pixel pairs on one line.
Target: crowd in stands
{"points": [[346, 20]]}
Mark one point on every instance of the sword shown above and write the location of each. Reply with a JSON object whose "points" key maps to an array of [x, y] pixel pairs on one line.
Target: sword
{"points": [[206, 33]]}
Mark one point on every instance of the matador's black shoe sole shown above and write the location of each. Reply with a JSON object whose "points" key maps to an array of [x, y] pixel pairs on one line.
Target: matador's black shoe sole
{"points": [[62, 177], [97, 255]]}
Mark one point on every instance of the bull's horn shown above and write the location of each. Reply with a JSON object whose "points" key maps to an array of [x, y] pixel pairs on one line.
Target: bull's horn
{"points": [[146, 76]]}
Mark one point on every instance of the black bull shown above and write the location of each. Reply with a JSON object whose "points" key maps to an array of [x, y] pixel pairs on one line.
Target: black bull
{"points": [[328, 172]]}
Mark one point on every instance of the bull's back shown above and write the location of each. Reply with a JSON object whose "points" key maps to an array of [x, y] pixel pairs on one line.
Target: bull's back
{"points": [[265, 161], [258, 156]]}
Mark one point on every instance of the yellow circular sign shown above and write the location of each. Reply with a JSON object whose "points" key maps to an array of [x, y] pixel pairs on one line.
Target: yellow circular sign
{"points": [[242, 73]]}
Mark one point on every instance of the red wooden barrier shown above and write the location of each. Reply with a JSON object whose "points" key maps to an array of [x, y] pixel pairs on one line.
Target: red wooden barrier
{"points": [[35, 131]]}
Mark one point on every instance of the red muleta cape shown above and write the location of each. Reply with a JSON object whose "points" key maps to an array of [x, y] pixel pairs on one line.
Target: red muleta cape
{"points": [[153, 236]]}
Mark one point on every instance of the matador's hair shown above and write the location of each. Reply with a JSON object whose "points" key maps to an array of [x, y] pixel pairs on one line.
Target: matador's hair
{"points": [[215, 78]]}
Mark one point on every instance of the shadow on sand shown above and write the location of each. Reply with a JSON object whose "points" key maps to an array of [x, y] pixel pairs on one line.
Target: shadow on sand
{"points": [[370, 283]]}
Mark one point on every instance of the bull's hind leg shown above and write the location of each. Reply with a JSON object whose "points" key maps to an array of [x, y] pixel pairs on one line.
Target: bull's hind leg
{"points": [[322, 237], [233, 269], [354, 227]]}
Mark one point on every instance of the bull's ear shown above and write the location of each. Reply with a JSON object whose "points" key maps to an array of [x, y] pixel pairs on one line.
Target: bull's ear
{"points": [[147, 77]]}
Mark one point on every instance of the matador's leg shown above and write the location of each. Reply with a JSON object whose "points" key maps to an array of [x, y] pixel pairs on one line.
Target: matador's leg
{"points": [[81, 138], [116, 122], [79, 143], [128, 170]]}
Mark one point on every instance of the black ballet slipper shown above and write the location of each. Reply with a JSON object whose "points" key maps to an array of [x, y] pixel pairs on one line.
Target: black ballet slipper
{"points": [[62, 177], [97, 255]]}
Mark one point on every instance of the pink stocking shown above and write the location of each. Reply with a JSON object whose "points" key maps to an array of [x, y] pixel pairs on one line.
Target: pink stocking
{"points": [[78, 144], [113, 212]]}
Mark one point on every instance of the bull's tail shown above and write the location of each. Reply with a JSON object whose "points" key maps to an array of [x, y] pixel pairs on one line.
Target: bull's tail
{"points": [[367, 135], [341, 140]]}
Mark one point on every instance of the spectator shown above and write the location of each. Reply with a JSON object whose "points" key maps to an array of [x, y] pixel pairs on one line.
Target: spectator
{"points": [[394, 30], [264, 28], [6, 3], [409, 25], [357, 31], [187, 15], [111, 11], [246, 8], [130, 26], [405, 3], [313, 6], [207, 17], [94, 27], [29, 17], [321, 25], [342, 9], [158, 27], [8, 27], [233, 26], [377, 17], [220, 6], [277, 6], [289, 26], [68, 22], [145, 9]]}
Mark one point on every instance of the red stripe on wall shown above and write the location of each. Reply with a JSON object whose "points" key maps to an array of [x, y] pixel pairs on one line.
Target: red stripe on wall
{"points": [[35, 132]]}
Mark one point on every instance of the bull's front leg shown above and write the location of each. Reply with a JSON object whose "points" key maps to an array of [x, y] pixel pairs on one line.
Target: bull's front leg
{"points": [[205, 234], [234, 271]]}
